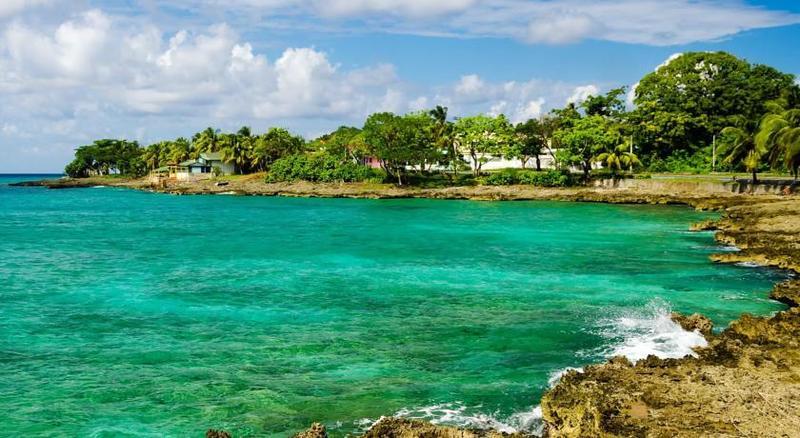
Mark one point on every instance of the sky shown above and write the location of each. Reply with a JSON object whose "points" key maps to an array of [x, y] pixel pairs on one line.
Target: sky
{"points": [[72, 71]]}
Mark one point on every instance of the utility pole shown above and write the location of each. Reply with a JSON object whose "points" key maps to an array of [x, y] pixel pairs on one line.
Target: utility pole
{"points": [[714, 153]]}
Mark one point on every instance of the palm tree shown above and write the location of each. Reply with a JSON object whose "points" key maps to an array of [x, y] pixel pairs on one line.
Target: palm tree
{"points": [[179, 150], [206, 140], [618, 159], [235, 150], [443, 138], [739, 146], [779, 133]]}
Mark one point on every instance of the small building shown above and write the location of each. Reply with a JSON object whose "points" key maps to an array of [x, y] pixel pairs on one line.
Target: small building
{"points": [[202, 167], [372, 162], [214, 160]]}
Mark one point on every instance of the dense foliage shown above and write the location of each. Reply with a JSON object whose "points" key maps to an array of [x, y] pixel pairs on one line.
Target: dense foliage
{"points": [[684, 112], [321, 168], [549, 178]]}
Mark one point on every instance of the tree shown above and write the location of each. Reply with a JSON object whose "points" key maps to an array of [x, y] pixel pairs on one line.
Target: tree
{"points": [[483, 138], [275, 144], [398, 141], [610, 105], [346, 143], [738, 146], [442, 136], [779, 135], [180, 150], [532, 140], [618, 159], [680, 106], [582, 142], [236, 148], [206, 140]]}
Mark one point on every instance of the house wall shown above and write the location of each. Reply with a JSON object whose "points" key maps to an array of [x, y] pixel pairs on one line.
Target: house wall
{"points": [[226, 168]]}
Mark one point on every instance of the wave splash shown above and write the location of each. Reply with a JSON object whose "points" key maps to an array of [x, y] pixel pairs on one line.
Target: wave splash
{"points": [[650, 331], [459, 415], [634, 334]]}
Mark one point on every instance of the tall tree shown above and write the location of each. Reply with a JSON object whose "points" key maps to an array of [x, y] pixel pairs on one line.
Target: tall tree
{"points": [[738, 146], [584, 140], [684, 103], [779, 135], [531, 142], [273, 145], [483, 138]]}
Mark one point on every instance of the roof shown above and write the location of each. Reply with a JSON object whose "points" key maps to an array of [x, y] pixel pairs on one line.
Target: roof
{"points": [[192, 163], [212, 156]]}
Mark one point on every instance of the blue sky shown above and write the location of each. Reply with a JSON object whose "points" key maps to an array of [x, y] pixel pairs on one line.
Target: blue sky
{"points": [[75, 70]]}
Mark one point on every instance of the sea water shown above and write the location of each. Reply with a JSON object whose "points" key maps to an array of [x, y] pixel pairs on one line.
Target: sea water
{"points": [[125, 313]]}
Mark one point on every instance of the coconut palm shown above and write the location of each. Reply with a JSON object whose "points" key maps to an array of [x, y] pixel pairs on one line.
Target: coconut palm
{"points": [[739, 146], [235, 149], [618, 159], [206, 140], [779, 133]]}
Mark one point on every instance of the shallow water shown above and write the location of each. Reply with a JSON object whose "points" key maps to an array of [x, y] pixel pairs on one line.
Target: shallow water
{"points": [[125, 313]]}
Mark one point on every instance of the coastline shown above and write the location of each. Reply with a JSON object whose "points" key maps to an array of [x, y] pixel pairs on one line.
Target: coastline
{"points": [[745, 382]]}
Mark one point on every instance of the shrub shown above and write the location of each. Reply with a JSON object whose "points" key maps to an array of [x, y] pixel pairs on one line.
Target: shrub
{"points": [[321, 168], [505, 177], [548, 178]]}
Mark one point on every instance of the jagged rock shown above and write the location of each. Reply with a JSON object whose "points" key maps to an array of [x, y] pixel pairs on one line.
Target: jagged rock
{"points": [[389, 427], [213, 433], [316, 430], [694, 322], [746, 382], [707, 225]]}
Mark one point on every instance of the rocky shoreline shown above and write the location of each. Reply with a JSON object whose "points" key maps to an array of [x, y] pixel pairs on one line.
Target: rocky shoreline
{"points": [[746, 382]]}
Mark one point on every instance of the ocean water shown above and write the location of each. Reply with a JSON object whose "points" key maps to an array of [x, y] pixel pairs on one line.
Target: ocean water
{"points": [[125, 313]]}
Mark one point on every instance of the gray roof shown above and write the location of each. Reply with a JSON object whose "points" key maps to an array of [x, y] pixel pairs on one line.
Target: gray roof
{"points": [[212, 156]]}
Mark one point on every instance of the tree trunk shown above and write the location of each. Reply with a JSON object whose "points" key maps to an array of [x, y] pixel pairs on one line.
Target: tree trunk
{"points": [[755, 177], [538, 164]]}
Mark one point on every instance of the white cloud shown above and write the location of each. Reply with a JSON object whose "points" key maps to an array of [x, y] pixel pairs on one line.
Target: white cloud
{"points": [[562, 28], [9, 8], [97, 75], [582, 92], [651, 22]]}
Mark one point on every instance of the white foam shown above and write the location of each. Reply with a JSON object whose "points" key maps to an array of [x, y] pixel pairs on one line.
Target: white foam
{"points": [[556, 376], [459, 415], [650, 331], [748, 264]]}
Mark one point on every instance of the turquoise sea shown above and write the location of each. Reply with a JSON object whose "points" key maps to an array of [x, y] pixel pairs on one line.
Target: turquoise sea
{"points": [[125, 313]]}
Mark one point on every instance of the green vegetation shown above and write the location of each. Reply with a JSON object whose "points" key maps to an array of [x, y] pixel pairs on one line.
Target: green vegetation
{"points": [[698, 113]]}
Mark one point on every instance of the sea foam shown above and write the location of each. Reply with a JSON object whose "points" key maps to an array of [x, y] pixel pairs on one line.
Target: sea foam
{"points": [[459, 415], [650, 331]]}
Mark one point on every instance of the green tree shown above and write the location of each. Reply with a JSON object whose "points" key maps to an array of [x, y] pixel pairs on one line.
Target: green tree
{"points": [[273, 145], [738, 146], [680, 106], [206, 140], [618, 159], [779, 135], [587, 138], [610, 105], [483, 138], [397, 141], [532, 140]]}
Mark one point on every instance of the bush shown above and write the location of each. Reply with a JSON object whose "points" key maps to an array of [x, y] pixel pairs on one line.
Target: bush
{"points": [[505, 177], [547, 178], [321, 168]]}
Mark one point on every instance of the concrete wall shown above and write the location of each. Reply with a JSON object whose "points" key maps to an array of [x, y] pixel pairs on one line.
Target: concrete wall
{"points": [[666, 185]]}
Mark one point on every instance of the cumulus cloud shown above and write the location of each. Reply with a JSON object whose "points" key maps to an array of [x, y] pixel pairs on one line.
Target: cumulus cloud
{"points": [[579, 94], [97, 75]]}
